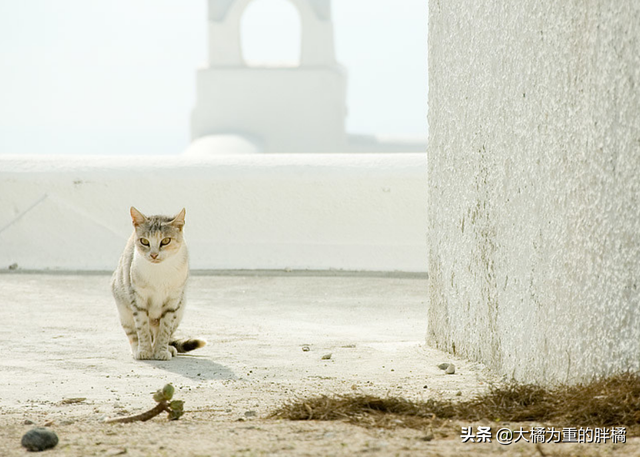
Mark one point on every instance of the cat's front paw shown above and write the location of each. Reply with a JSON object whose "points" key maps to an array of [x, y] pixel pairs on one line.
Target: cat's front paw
{"points": [[162, 355], [142, 354]]}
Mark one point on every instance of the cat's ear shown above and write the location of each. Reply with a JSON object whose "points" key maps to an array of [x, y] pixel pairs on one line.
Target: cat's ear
{"points": [[137, 217], [178, 221]]}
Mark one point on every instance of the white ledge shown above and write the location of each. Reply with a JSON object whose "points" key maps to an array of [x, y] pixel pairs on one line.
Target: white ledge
{"points": [[364, 212]]}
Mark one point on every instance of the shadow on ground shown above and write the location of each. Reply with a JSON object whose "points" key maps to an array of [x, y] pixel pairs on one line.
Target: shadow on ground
{"points": [[195, 367]]}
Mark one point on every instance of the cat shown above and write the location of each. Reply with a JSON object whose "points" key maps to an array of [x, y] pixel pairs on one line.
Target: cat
{"points": [[149, 287]]}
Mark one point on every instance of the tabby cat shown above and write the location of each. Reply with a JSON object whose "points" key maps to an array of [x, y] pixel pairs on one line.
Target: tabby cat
{"points": [[149, 286]]}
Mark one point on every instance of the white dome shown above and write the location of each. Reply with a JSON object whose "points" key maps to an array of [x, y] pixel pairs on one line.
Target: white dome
{"points": [[222, 144]]}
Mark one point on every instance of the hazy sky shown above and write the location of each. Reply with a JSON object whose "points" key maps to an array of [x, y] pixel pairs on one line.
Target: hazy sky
{"points": [[118, 76]]}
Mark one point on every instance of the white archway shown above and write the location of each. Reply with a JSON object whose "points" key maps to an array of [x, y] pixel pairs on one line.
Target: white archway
{"points": [[271, 34], [276, 107], [316, 46]]}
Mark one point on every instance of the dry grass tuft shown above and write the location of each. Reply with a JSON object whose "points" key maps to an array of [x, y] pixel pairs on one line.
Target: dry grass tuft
{"points": [[367, 410], [612, 401]]}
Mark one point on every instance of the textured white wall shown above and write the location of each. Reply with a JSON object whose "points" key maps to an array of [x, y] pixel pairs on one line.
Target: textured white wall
{"points": [[534, 185], [301, 211]]}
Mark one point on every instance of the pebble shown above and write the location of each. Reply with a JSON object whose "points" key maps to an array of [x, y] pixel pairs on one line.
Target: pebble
{"points": [[13, 266], [451, 369], [443, 366], [326, 356], [72, 401], [250, 413], [306, 348], [429, 436], [39, 439], [28, 422]]}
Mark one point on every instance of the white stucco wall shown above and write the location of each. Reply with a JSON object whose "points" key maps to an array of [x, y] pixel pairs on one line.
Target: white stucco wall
{"points": [[534, 185], [300, 211]]}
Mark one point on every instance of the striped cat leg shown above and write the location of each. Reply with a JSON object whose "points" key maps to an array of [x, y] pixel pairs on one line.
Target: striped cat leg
{"points": [[169, 321], [127, 322], [126, 309], [141, 319], [133, 337]]}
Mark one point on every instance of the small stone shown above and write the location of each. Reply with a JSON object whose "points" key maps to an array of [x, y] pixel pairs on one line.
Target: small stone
{"points": [[443, 366], [459, 393], [428, 437], [39, 439], [451, 369], [306, 348], [28, 422], [116, 451], [250, 413], [326, 356], [13, 266], [72, 401]]}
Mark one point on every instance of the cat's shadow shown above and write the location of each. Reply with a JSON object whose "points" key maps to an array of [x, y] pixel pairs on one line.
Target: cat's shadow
{"points": [[195, 367]]}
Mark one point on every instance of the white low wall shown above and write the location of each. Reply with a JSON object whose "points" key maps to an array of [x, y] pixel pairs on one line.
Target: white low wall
{"points": [[299, 211]]}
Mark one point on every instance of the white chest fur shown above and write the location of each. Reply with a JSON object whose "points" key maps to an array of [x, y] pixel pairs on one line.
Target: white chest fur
{"points": [[159, 283]]}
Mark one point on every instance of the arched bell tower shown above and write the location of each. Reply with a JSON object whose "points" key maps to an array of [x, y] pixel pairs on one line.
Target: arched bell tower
{"points": [[281, 109]]}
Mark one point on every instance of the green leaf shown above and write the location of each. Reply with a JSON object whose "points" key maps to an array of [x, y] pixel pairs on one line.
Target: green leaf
{"points": [[158, 396], [167, 392], [177, 405]]}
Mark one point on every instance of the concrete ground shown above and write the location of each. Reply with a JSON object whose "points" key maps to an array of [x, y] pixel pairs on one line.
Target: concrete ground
{"points": [[66, 363]]}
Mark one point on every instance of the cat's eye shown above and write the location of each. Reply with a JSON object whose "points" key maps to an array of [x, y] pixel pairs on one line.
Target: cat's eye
{"points": [[165, 241], [144, 241]]}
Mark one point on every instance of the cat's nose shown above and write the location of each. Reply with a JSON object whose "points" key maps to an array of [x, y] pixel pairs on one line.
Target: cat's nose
{"points": [[154, 255]]}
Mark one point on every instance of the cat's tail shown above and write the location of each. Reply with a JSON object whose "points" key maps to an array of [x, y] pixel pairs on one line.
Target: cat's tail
{"points": [[188, 344]]}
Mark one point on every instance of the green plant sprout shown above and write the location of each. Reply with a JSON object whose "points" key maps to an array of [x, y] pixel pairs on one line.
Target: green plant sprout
{"points": [[175, 408]]}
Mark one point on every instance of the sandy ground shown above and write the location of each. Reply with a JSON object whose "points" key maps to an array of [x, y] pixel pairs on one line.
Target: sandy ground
{"points": [[67, 365]]}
